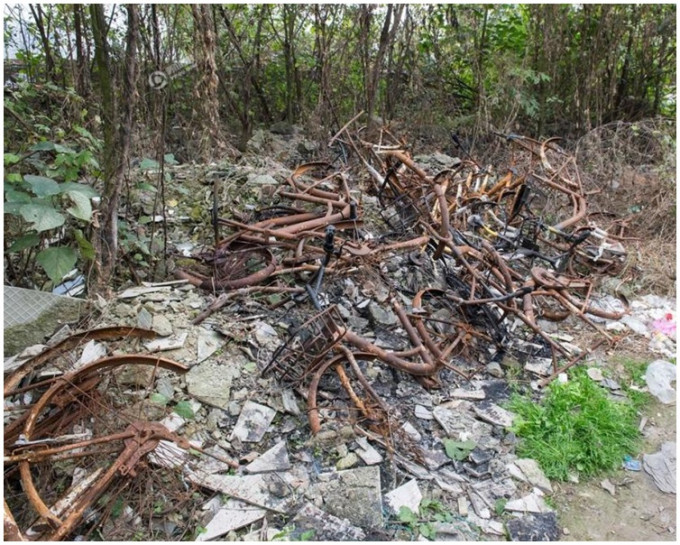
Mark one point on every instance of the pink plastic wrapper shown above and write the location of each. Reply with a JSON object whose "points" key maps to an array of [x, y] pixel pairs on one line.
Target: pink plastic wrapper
{"points": [[666, 325]]}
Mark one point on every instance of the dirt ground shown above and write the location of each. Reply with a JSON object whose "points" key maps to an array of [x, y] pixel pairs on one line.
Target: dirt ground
{"points": [[638, 511]]}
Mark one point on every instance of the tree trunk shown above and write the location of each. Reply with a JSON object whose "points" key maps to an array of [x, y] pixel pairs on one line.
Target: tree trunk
{"points": [[117, 121], [50, 67], [83, 85], [207, 107], [387, 34]]}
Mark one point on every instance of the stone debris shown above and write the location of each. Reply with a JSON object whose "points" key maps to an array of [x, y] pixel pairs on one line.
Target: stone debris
{"points": [[532, 473], [253, 422], [275, 459], [207, 344], [474, 395], [210, 382], [531, 503], [407, 495], [162, 325], [608, 486], [169, 343], [144, 319], [538, 527], [462, 506], [92, 351], [660, 375], [325, 526], [353, 494], [233, 515], [348, 461], [662, 467], [423, 413], [367, 453], [412, 432], [131, 293], [266, 336], [289, 401], [272, 491], [492, 413], [595, 374]]}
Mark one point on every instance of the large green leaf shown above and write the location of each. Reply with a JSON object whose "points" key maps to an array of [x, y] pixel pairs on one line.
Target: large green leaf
{"points": [[10, 158], [42, 217], [41, 186], [86, 248], [63, 149], [43, 146], [183, 408], [148, 164], [458, 450], [85, 189], [57, 261], [27, 241], [82, 208], [14, 195]]}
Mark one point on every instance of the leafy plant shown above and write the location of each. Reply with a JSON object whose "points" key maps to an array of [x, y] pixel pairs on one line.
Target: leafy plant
{"points": [[183, 409], [458, 450], [576, 427], [46, 212], [429, 511]]}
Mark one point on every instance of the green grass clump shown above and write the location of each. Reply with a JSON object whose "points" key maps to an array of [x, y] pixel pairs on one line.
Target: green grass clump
{"points": [[575, 428]]}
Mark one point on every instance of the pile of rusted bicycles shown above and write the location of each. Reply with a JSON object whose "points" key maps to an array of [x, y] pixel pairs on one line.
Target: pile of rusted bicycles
{"points": [[516, 245], [514, 248]]}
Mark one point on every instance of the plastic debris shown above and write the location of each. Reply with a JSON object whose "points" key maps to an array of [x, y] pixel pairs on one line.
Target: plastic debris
{"points": [[660, 374], [631, 464]]}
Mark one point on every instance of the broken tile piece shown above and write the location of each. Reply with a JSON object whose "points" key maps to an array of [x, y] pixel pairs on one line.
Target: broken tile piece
{"points": [[411, 431], [253, 422], [462, 506], [91, 352], [168, 343], [423, 413], [533, 473], [273, 491], [208, 343], [367, 453], [141, 290], [275, 459], [492, 413], [407, 495], [232, 515], [325, 526], [289, 401], [531, 503], [474, 395], [144, 319]]}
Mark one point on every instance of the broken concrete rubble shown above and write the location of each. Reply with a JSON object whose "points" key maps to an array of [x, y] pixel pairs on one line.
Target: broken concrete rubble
{"points": [[234, 514], [408, 495], [275, 459], [253, 422], [353, 494], [325, 527]]}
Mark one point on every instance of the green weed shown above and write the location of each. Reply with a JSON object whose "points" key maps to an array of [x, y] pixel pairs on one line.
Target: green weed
{"points": [[575, 428]]}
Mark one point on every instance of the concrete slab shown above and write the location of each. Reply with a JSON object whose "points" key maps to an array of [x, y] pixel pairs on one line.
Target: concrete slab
{"points": [[31, 316]]}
